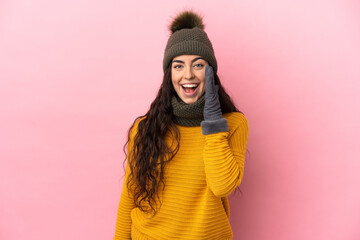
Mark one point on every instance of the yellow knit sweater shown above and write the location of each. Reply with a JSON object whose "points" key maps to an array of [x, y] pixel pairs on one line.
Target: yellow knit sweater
{"points": [[206, 169]]}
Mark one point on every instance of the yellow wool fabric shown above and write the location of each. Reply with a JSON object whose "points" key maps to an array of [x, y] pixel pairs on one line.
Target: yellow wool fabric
{"points": [[206, 169]]}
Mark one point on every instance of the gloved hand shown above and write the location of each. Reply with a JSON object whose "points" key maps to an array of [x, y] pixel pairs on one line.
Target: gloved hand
{"points": [[213, 120]]}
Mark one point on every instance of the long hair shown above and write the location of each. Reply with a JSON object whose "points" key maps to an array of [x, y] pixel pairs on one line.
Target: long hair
{"points": [[150, 152]]}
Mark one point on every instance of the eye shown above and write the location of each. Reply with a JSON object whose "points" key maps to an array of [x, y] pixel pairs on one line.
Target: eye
{"points": [[177, 66], [198, 65]]}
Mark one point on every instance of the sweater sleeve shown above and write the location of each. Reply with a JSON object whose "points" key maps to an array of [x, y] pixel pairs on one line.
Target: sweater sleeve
{"points": [[123, 221], [224, 157], [126, 204]]}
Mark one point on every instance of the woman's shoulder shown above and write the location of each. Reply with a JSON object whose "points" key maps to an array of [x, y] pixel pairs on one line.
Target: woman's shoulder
{"points": [[138, 120], [235, 116], [134, 127], [236, 120]]}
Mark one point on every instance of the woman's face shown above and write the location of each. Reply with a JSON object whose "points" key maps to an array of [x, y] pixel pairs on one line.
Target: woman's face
{"points": [[188, 77]]}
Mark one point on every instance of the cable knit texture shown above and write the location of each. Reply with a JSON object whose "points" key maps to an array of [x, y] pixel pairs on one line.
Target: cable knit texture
{"points": [[198, 180]]}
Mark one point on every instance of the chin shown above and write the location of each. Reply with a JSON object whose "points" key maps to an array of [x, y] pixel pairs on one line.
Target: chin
{"points": [[190, 101]]}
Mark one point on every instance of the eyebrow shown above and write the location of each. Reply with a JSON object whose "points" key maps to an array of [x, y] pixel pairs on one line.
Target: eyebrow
{"points": [[195, 59]]}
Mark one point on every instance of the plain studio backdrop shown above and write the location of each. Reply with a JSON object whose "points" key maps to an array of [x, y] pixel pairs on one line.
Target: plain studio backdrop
{"points": [[75, 74]]}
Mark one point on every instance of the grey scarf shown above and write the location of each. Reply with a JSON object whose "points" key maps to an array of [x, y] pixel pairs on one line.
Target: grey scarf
{"points": [[188, 114]]}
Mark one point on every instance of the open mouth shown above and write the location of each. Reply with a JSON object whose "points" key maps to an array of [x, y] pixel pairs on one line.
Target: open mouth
{"points": [[189, 88]]}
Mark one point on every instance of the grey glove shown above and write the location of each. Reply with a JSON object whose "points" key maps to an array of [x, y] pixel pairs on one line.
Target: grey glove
{"points": [[213, 120]]}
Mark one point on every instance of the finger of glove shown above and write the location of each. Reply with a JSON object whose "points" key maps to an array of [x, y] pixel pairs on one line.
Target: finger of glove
{"points": [[214, 95], [209, 79], [212, 108]]}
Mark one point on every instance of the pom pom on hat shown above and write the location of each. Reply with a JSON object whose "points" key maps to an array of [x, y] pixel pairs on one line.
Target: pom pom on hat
{"points": [[186, 19]]}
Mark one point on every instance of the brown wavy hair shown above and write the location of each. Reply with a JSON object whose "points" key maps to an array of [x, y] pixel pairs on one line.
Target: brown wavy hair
{"points": [[150, 152]]}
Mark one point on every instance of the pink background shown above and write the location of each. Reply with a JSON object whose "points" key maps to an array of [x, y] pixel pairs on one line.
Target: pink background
{"points": [[75, 74]]}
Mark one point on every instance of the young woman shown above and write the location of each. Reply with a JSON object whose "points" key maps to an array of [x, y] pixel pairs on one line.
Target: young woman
{"points": [[186, 154]]}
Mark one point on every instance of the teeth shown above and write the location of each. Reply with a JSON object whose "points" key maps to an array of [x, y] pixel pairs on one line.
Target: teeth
{"points": [[190, 85]]}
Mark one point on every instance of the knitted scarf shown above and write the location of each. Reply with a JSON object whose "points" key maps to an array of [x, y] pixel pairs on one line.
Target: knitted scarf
{"points": [[188, 114]]}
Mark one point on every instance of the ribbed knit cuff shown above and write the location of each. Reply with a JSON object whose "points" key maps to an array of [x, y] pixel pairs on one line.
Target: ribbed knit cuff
{"points": [[214, 126]]}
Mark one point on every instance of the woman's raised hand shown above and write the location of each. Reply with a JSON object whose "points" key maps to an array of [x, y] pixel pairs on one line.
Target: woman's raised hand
{"points": [[213, 120], [212, 109]]}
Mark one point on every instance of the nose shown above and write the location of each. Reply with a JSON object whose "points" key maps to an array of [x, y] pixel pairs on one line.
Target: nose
{"points": [[189, 73]]}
